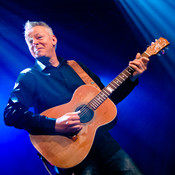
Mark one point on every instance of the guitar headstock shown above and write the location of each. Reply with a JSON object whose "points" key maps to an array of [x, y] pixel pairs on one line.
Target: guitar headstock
{"points": [[157, 46]]}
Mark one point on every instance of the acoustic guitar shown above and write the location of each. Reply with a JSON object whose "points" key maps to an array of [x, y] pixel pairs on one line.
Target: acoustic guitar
{"points": [[96, 110]]}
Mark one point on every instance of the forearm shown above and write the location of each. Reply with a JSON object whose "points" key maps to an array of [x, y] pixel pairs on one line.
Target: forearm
{"points": [[17, 115], [123, 91]]}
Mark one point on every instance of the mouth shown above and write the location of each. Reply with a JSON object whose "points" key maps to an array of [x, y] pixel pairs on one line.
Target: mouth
{"points": [[36, 50], [39, 49]]}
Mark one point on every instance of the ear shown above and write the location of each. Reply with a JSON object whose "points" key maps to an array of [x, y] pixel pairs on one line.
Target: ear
{"points": [[54, 40]]}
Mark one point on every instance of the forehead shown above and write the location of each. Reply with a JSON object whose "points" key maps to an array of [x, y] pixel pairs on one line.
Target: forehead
{"points": [[36, 30]]}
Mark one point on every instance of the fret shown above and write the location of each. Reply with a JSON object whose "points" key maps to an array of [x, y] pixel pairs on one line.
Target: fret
{"points": [[90, 107], [102, 97], [93, 105], [103, 94], [110, 88], [106, 92], [117, 82], [94, 102], [97, 100], [130, 69], [145, 54], [124, 75], [121, 78], [113, 85], [128, 72]]}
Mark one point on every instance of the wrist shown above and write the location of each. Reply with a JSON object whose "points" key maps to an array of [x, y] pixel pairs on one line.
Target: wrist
{"points": [[133, 78]]}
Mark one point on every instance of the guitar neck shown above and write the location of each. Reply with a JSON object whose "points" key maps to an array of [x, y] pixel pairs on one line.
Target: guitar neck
{"points": [[112, 86]]}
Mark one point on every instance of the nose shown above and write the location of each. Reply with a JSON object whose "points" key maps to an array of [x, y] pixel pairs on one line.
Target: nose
{"points": [[35, 42]]}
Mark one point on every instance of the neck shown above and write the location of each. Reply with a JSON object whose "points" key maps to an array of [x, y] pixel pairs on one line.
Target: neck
{"points": [[49, 61], [54, 61]]}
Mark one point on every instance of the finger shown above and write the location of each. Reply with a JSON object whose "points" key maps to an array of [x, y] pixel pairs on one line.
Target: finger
{"points": [[138, 55], [72, 116], [76, 128], [142, 62], [73, 128], [136, 68], [73, 122], [145, 60], [137, 65], [73, 113]]}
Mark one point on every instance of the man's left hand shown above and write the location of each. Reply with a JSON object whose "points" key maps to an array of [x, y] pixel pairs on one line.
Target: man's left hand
{"points": [[139, 64]]}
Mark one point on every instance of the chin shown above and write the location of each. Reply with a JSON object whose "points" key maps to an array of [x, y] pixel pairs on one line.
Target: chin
{"points": [[40, 56]]}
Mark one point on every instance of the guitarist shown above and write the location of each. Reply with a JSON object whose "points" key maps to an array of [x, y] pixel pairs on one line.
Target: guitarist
{"points": [[52, 82]]}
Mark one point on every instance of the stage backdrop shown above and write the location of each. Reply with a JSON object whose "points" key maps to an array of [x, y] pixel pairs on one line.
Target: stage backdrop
{"points": [[105, 35]]}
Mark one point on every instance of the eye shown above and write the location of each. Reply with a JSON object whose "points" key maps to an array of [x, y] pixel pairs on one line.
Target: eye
{"points": [[30, 41], [39, 37]]}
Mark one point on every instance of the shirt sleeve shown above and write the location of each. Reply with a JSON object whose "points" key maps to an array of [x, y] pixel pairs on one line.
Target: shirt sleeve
{"points": [[17, 112], [120, 93]]}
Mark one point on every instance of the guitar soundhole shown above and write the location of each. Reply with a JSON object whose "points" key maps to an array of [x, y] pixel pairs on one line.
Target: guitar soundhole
{"points": [[86, 114]]}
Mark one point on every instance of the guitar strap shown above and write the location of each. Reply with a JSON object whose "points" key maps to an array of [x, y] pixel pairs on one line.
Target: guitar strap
{"points": [[82, 74]]}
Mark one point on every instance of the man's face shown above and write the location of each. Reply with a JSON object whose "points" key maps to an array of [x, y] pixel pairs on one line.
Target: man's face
{"points": [[40, 42]]}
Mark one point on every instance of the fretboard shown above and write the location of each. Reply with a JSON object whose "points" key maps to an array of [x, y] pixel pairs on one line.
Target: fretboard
{"points": [[111, 87]]}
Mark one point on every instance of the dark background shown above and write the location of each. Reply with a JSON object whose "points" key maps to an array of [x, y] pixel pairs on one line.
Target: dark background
{"points": [[105, 35]]}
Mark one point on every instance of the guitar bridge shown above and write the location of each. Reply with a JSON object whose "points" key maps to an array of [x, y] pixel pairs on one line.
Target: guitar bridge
{"points": [[73, 138]]}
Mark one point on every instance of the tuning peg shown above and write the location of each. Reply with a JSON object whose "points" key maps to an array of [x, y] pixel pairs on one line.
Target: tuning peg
{"points": [[163, 51]]}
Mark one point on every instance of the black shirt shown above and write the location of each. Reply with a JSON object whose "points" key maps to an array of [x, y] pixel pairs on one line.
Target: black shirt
{"points": [[43, 87]]}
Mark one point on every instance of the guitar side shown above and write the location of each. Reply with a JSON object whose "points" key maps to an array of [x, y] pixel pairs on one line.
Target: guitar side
{"points": [[65, 152]]}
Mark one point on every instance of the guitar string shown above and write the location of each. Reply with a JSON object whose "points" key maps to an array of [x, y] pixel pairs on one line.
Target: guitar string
{"points": [[85, 109], [128, 70], [93, 102], [97, 101]]}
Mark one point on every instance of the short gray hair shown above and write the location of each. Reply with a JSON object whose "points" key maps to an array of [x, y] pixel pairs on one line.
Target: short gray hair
{"points": [[30, 24]]}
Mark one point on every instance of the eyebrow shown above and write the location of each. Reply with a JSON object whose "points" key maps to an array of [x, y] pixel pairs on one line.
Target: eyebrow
{"points": [[28, 36]]}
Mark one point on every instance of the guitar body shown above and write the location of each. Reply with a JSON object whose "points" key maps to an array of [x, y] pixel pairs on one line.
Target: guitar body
{"points": [[65, 152]]}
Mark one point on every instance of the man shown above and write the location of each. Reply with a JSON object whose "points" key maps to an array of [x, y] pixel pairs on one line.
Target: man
{"points": [[52, 82]]}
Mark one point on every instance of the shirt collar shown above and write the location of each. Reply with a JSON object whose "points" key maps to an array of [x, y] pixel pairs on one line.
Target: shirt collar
{"points": [[40, 66]]}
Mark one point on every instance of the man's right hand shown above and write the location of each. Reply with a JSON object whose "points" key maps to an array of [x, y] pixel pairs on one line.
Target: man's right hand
{"points": [[68, 123]]}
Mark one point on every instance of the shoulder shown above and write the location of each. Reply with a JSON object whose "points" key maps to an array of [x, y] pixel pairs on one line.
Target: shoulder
{"points": [[25, 71], [84, 67], [74, 63], [25, 74], [91, 74]]}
